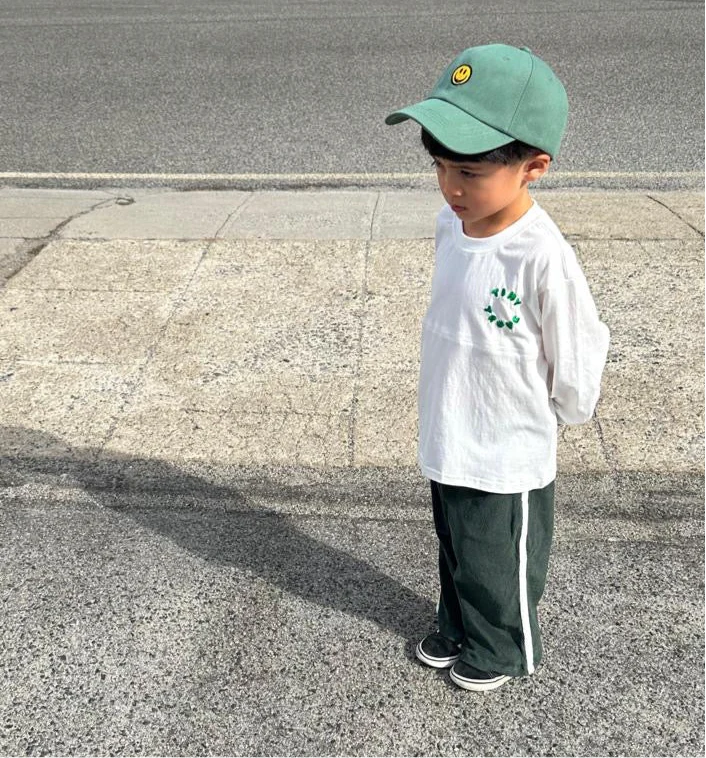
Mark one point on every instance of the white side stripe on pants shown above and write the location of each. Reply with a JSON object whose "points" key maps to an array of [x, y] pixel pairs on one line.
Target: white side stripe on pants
{"points": [[524, 602]]}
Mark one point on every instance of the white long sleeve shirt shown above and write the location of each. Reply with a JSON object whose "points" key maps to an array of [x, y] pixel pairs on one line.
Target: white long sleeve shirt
{"points": [[511, 343]]}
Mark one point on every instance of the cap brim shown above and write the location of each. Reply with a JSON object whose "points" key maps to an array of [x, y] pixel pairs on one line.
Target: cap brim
{"points": [[452, 127]]}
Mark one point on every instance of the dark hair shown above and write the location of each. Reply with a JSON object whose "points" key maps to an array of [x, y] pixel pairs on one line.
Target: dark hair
{"points": [[513, 152]]}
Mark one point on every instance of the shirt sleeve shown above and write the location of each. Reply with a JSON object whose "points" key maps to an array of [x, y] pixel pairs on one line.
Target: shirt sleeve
{"points": [[576, 346]]}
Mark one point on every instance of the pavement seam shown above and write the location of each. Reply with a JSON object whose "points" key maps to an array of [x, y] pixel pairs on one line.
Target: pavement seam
{"points": [[359, 358], [576, 238], [609, 457], [186, 182], [361, 328], [573, 239], [623, 530], [150, 352], [671, 210]]}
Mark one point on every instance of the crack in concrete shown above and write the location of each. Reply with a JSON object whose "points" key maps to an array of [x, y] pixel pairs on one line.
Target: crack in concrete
{"points": [[671, 210], [234, 214], [38, 244], [374, 214]]}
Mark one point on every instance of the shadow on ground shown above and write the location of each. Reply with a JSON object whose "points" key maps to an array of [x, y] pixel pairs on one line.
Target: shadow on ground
{"points": [[234, 523]]}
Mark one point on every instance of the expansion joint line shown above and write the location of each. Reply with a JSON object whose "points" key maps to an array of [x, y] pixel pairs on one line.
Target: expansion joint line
{"points": [[152, 349], [352, 419], [609, 457], [178, 302]]}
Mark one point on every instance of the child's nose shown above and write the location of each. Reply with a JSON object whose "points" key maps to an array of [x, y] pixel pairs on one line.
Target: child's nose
{"points": [[452, 185]]}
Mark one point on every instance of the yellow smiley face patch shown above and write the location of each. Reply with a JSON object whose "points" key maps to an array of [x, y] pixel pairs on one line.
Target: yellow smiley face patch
{"points": [[461, 74]]}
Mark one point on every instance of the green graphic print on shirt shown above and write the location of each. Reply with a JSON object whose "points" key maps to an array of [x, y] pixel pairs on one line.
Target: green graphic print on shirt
{"points": [[514, 300]]}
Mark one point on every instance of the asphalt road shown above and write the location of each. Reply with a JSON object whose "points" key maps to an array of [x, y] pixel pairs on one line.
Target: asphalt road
{"points": [[303, 87]]}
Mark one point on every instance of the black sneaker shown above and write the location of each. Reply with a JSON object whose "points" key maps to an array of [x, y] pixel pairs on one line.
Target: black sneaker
{"points": [[438, 651], [470, 678]]}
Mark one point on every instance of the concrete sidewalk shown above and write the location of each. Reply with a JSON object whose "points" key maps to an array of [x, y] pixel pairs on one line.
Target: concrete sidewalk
{"points": [[216, 538], [299, 313]]}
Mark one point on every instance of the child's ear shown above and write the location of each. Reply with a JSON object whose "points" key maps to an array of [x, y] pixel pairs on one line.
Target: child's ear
{"points": [[537, 167]]}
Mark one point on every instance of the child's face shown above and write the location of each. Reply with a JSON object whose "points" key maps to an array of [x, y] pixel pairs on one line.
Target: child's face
{"points": [[488, 196]]}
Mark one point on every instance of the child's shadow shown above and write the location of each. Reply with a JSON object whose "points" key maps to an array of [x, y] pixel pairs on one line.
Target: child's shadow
{"points": [[220, 524]]}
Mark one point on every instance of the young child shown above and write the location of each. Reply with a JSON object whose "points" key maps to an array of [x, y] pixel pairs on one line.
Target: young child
{"points": [[511, 345]]}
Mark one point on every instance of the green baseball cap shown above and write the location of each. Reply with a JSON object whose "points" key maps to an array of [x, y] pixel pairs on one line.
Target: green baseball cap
{"points": [[489, 96]]}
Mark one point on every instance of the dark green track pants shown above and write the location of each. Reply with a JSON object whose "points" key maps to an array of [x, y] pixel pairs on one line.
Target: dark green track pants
{"points": [[493, 559]]}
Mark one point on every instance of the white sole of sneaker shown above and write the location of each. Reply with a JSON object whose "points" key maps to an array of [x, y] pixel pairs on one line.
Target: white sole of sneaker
{"points": [[479, 685], [435, 663]]}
